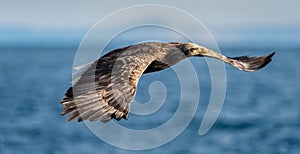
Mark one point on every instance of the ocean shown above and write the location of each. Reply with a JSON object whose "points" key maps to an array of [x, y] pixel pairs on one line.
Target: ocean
{"points": [[260, 114]]}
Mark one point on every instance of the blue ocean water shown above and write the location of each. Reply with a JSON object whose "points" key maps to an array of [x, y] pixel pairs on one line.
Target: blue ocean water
{"points": [[260, 114]]}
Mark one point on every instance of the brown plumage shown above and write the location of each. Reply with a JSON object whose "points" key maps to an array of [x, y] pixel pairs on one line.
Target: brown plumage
{"points": [[106, 89]]}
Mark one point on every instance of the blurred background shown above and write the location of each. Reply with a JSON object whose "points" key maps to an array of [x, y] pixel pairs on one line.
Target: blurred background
{"points": [[39, 39]]}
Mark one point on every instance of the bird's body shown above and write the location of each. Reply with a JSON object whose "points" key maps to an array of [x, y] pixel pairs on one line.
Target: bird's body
{"points": [[106, 89]]}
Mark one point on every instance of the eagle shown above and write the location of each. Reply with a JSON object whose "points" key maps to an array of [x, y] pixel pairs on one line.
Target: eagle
{"points": [[106, 88]]}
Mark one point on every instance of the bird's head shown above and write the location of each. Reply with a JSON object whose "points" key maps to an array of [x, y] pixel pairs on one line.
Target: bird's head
{"points": [[192, 49]]}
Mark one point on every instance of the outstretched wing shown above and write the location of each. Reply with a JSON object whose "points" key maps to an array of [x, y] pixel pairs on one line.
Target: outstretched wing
{"points": [[250, 64], [106, 89]]}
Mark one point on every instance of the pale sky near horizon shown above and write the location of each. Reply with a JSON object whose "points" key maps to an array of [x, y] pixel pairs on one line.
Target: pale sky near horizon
{"points": [[259, 21], [77, 13]]}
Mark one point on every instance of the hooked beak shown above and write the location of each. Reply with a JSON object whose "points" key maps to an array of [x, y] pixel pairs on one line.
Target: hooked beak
{"points": [[201, 52]]}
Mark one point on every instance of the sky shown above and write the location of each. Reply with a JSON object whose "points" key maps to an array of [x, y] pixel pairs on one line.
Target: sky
{"points": [[230, 19]]}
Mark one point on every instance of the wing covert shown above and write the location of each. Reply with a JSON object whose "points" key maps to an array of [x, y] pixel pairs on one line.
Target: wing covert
{"points": [[106, 89]]}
